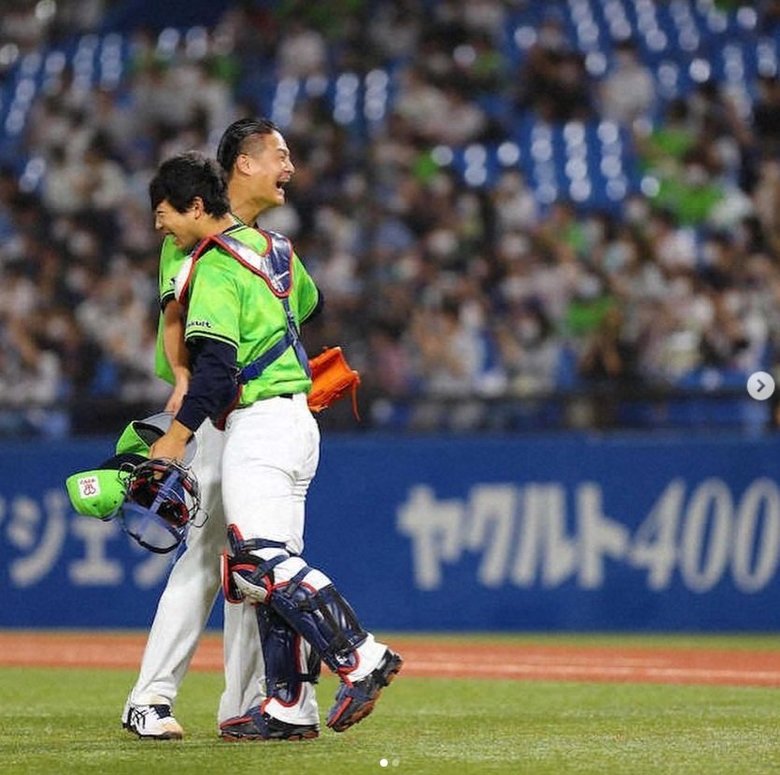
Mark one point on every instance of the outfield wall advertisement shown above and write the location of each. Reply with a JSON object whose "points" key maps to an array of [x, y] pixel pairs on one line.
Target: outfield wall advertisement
{"points": [[529, 533]]}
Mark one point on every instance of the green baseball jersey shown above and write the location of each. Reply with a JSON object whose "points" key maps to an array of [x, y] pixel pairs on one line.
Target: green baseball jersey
{"points": [[228, 301], [171, 260]]}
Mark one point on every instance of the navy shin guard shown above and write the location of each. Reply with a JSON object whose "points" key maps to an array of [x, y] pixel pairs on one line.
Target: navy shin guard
{"points": [[282, 653], [323, 618]]}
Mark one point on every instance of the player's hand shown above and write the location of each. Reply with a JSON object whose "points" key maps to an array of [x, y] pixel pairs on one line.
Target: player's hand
{"points": [[172, 443], [167, 447]]}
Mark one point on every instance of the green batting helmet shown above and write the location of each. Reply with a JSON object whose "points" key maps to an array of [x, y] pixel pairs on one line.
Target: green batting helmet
{"points": [[100, 491]]}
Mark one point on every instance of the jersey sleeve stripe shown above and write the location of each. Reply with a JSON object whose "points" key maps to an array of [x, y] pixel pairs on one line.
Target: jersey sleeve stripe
{"points": [[207, 335]]}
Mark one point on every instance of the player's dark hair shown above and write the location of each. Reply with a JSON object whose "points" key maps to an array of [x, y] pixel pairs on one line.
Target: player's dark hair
{"points": [[188, 175], [235, 136]]}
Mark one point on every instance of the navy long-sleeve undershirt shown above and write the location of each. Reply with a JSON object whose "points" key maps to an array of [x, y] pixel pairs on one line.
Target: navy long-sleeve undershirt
{"points": [[213, 385]]}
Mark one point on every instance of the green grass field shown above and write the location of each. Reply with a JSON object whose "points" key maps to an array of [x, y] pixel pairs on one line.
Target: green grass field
{"points": [[67, 721]]}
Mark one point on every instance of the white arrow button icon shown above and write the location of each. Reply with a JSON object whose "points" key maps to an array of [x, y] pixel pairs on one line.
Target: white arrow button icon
{"points": [[760, 385]]}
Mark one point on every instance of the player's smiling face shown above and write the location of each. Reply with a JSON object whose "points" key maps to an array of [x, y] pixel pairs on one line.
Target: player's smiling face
{"points": [[266, 160], [181, 226]]}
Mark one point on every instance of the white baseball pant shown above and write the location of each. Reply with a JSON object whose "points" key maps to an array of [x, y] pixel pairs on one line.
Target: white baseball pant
{"points": [[272, 450], [187, 600]]}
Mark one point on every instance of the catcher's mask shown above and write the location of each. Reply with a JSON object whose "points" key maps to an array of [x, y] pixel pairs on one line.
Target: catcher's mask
{"points": [[161, 501]]}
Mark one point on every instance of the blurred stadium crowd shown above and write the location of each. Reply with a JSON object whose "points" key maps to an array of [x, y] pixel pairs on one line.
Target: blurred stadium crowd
{"points": [[520, 213]]}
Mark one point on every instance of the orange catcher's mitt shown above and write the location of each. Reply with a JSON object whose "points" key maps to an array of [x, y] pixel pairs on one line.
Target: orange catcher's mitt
{"points": [[331, 378]]}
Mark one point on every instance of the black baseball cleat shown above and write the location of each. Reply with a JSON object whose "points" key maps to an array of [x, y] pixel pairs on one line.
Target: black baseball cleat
{"points": [[256, 725], [356, 701]]}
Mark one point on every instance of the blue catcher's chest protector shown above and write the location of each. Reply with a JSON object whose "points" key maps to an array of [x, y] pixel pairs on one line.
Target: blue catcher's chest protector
{"points": [[275, 268]]}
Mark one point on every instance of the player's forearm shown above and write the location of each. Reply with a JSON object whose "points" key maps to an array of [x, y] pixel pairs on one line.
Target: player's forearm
{"points": [[173, 341], [213, 386]]}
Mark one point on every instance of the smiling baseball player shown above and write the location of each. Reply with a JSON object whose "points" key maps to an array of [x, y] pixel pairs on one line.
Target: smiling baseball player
{"points": [[247, 293], [255, 157]]}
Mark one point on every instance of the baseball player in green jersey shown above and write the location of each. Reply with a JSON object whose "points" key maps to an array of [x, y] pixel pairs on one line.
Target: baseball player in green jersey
{"points": [[246, 294], [194, 581], [258, 164]]}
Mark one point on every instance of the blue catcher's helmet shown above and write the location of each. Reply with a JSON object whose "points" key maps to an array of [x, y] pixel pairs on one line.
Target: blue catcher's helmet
{"points": [[161, 501]]}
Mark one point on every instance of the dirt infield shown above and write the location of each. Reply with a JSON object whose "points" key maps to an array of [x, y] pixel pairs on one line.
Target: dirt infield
{"points": [[437, 659]]}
